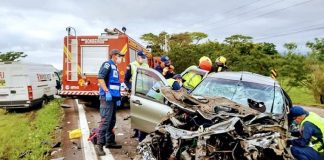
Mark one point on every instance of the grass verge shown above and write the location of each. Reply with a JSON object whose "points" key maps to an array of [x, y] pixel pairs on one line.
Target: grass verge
{"points": [[24, 132], [302, 96]]}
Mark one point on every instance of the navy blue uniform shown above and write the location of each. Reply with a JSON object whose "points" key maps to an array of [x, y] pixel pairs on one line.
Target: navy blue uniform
{"points": [[109, 73], [128, 77], [168, 74], [300, 148]]}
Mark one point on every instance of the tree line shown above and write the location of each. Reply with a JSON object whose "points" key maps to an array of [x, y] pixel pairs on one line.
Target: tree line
{"points": [[296, 69]]}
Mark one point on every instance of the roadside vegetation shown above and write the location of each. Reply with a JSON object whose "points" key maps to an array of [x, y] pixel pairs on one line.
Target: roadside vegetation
{"points": [[28, 135], [301, 72]]}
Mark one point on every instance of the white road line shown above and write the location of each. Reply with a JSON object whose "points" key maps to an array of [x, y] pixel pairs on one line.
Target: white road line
{"points": [[88, 147]]}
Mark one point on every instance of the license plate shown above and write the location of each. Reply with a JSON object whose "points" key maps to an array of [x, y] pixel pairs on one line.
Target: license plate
{"points": [[2, 83]]}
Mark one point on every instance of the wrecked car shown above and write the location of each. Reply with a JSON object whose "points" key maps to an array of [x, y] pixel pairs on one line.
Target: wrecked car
{"points": [[229, 115]]}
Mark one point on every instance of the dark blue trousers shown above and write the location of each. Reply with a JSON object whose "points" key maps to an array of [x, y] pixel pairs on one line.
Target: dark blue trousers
{"points": [[108, 120], [305, 153]]}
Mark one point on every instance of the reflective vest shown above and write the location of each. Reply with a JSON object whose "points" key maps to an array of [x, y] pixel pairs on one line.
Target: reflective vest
{"points": [[191, 79], [316, 144], [112, 81], [134, 65], [170, 82]]}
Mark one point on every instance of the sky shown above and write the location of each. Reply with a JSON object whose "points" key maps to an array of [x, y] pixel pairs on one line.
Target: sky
{"points": [[37, 27]]}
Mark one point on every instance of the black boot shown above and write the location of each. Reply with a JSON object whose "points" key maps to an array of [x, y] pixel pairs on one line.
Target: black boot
{"points": [[113, 145], [100, 151]]}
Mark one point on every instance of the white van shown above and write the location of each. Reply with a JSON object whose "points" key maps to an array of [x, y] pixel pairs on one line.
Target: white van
{"points": [[24, 85]]}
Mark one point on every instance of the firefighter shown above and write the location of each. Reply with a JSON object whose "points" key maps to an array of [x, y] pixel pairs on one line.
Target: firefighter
{"points": [[130, 72], [175, 82], [310, 144], [191, 79], [165, 67], [220, 65], [109, 96], [131, 68]]}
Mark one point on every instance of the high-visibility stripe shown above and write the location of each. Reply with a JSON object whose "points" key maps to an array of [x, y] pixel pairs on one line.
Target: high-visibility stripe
{"points": [[68, 55], [274, 73], [114, 87], [78, 93], [124, 49]]}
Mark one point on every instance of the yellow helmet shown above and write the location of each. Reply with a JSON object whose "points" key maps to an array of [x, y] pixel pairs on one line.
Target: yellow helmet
{"points": [[204, 58], [221, 59]]}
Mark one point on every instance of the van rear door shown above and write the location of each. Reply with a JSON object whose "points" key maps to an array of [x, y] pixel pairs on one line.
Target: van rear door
{"points": [[13, 85]]}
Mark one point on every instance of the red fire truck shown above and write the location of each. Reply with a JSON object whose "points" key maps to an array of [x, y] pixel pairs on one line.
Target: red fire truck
{"points": [[83, 56]]}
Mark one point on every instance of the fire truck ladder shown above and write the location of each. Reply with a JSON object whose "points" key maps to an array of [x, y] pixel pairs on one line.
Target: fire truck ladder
{"points": [[72, 59]]}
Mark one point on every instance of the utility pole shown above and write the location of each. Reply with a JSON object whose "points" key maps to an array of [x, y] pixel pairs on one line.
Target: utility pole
{"points": [[166, 46]]}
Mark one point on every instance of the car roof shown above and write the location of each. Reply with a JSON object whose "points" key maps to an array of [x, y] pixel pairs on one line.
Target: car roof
{"points": [[246, 77]]}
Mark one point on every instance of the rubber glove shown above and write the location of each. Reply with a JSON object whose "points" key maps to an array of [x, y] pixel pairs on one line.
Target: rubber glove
{"points": [[108, 96], [118, 103]]}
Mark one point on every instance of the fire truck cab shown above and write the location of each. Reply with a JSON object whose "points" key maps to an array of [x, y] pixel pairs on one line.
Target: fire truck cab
{"points": [[83, 56]]}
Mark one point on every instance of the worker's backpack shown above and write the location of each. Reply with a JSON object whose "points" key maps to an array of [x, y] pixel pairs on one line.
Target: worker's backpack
{"points": [[93, 137]]}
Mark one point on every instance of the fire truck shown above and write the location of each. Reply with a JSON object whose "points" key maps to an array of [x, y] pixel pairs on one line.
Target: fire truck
{"points": [[84, 55]]}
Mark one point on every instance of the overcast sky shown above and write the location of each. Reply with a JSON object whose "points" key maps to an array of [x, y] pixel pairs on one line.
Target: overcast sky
{"points": [[37, 27]]}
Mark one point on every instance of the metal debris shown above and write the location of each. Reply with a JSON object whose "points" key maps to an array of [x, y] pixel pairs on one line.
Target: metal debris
{"points": [[214, 128]]}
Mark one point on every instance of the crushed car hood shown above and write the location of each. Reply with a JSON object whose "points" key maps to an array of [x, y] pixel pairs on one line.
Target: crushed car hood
{"points": [[214, 128]]}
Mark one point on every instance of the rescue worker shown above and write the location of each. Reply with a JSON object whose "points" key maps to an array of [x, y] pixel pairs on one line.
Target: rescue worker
{"points": [[192, 79], [129, 76], [131, 68], [220, 65], [175, 82], [165, 67], [109, 96], [310, 144]]}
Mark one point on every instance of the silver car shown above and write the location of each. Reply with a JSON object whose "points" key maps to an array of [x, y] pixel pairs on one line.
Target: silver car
{"points": [[148, 106], [229, 115]]}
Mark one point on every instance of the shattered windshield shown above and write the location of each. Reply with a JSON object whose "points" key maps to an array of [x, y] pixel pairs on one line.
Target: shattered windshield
{"points": [[241, 91]]}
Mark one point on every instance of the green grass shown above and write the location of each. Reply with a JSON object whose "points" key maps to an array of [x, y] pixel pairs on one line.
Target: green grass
{"points": [[302, 96], [20, 132]]}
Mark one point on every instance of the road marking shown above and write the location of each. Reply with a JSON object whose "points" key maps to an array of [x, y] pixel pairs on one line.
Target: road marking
{"points": [[88, 147]]}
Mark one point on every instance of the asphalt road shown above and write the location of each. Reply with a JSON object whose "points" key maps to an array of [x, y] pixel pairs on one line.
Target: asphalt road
{"points": [[317, 110], [123, 131]]}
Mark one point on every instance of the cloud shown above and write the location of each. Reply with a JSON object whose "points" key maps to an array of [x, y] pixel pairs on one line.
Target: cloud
{"points": [[38, 27]]}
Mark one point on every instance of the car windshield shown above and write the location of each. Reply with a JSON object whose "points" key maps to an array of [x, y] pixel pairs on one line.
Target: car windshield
{"points": [[241, 91]]}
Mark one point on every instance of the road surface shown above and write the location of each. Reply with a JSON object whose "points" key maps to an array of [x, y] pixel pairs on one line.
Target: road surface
{"points": [[75, 149]]}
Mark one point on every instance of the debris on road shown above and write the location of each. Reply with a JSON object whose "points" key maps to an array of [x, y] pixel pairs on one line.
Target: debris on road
{"points": [[65, 106], [56, 145], [60, 158], [214, 128], [126, 118], [76, 145], [74, 134]]}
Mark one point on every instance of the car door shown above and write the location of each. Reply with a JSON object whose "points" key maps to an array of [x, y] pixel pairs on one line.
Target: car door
{"points": [[196, 70], [146, 102]]}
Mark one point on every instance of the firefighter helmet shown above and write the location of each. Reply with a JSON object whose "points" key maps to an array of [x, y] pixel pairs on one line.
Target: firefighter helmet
{"points": [[221, 59], [205, 65], [204, 58]]}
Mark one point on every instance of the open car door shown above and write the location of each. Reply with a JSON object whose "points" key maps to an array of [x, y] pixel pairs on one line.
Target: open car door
{"points": [[196, 70], [146, 102]]}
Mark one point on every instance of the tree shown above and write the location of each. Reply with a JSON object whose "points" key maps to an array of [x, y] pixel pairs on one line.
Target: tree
{"points": [[156, 42], [317, 48], [291, 47], [11, 56], [198, 36]]}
